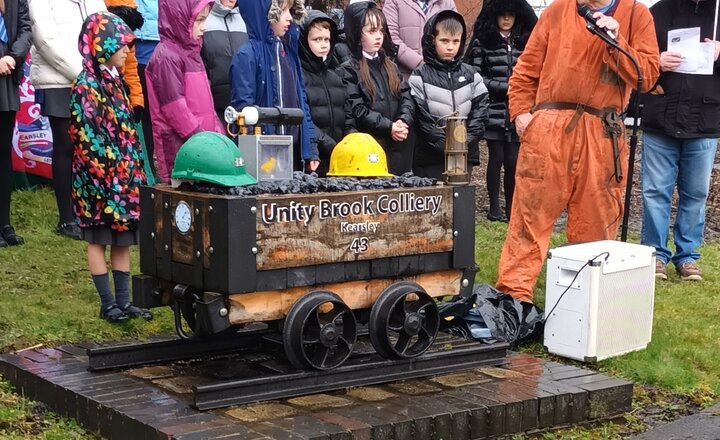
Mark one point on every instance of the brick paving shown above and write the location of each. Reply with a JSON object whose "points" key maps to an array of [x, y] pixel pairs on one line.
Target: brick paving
{"points": [[526, 394]]}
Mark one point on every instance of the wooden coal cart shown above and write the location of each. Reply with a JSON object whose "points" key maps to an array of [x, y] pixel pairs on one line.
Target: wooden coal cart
{"points": [[319, 266]]}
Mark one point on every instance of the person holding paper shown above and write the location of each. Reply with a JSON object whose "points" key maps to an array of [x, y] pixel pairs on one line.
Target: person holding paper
{"points": [[681, 126]]}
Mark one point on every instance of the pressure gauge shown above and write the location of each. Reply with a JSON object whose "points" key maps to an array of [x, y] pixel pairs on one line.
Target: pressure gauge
{"points": [[230, 115], [183, 217]]}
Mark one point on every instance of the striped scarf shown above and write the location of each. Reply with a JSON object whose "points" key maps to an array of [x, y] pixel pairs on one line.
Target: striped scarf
{"points": [[423, 5], [3, 29]]}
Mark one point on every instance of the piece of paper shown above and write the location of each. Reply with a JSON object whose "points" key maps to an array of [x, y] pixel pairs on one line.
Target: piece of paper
{"points": [[697, 57]]}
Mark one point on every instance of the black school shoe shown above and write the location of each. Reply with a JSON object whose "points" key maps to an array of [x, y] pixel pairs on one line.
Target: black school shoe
{"points": [[497, 218], [70, 230], [136, 312], [113, 314], [10, 237]]}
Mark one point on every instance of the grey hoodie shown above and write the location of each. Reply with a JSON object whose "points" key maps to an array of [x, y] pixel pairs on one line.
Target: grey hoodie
{"points": [[225, 32]]}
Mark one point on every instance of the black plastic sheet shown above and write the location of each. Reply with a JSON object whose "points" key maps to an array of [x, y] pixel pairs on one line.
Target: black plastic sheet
{"points": [[489, 316]]}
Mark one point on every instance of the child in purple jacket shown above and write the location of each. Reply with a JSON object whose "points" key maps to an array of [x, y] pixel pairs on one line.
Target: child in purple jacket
{"points": [[181, 103]]}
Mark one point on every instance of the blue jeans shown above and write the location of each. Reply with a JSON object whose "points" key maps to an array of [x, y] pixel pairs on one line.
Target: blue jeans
{"points": [[665, 160]]}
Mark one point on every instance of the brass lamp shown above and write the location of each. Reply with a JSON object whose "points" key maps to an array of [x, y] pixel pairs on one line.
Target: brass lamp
{"points": [[456, 151]]}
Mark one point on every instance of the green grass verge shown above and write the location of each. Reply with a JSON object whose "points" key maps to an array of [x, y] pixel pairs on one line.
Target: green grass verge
{"points": [[685, 348], [47, 297], [46, 293], [22, 419]]}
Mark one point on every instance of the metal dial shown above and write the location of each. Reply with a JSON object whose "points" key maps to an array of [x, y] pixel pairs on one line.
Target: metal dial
{"points": [[183, 217]]}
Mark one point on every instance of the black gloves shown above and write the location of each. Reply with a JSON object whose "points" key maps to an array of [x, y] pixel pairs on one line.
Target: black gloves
{"points": [[139, 112]]}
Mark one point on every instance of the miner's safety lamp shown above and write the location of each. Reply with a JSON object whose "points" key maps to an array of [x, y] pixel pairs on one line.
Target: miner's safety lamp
{"points": [[456, 151]]}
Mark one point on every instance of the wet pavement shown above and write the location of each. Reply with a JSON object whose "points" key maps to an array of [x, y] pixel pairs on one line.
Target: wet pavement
{"points": [[704, 425], [524, 394]]}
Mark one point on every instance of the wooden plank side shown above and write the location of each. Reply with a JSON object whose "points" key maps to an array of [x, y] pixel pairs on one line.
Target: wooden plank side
{"points": [[158, 224], [305, 230], [273, 304]]}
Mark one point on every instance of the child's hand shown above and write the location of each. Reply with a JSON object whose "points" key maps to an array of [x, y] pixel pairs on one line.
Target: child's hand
{"points": [[399, 131], [313, 165], [521, 123], [5, 67]]}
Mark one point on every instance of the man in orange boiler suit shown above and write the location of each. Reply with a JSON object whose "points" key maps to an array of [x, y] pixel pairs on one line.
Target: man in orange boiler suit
{"points": [[565, 95]]}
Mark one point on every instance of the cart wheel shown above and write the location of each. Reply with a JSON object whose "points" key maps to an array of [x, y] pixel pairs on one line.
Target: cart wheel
{"points": [[403, 321], [184, 299], [188, 311], [319, 331]]}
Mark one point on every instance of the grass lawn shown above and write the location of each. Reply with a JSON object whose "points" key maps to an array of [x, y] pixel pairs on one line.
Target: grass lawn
{"points": [[47, 297]]}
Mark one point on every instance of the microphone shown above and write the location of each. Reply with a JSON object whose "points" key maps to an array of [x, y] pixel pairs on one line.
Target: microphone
{"points": [[585, 12]]}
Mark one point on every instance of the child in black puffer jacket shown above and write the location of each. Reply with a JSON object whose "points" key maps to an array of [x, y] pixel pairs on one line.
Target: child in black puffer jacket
{"points": [[326, 95], [444, 86]]}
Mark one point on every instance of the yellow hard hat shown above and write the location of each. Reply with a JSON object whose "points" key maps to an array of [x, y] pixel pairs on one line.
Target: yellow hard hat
{"points": [[358, 155]]}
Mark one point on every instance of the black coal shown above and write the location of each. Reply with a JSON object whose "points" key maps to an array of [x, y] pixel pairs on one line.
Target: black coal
{"points": [[309, 184]]}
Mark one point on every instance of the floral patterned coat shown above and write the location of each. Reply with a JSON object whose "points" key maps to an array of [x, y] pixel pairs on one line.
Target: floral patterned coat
{"points": [[107, 165]]}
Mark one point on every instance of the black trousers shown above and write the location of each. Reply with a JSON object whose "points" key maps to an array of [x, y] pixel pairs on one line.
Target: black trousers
{"points": [[501, 153], [7, 124], [62, 168]]}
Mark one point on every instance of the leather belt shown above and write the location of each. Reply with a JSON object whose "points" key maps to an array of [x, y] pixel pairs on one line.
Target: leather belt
{"points": [[580, 108], [612, 125]]}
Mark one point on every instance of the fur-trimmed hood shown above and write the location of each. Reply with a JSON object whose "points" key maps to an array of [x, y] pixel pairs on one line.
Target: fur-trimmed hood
{"points": [[257, 15], [487, 32], [297, 10]]}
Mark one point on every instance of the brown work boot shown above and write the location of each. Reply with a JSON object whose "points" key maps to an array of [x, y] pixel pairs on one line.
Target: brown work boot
{"points": [[660, 270], [689, 271]]}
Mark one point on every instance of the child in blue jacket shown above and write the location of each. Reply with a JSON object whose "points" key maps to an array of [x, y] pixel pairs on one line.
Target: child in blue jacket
{"points": [[266, 70]]}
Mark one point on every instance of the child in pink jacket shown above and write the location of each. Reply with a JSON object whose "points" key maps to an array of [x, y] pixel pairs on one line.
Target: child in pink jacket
{"points": [[181, 103]]}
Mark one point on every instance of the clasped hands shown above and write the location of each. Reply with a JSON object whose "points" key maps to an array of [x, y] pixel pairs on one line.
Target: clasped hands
{"points": [[7, 65], [399, 130]]}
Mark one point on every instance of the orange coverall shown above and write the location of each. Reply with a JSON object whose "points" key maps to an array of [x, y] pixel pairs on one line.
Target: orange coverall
{"points": [[563, 165]]}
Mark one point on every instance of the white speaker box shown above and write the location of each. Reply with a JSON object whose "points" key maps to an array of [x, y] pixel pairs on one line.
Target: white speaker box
{"points": [[607, 306]]}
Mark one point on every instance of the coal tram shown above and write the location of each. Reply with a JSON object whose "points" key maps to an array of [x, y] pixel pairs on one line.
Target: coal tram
{"points": [[320, 267]]}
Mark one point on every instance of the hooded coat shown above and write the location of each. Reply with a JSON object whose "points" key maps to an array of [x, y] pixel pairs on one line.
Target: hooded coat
{"points": [[326, 93], [17, 23], [107, 163], [225, 32], [441, 88], [253, 72], [683, 106], [376, 117], [181, 103], [495, 58]]}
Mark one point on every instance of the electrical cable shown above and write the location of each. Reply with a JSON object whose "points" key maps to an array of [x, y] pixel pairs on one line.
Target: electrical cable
{"points": [[588, 262]]}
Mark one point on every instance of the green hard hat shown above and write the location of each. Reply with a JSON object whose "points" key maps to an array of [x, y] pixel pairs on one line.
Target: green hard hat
{"points": [[211, 157]]}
